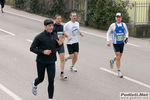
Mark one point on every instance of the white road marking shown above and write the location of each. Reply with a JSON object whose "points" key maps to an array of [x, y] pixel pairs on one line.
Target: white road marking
{"points": [[127, 78], [106, 38], [7, 32], [93, 34], [80, 30], [15, 97], [29, 40], [133, 45]]}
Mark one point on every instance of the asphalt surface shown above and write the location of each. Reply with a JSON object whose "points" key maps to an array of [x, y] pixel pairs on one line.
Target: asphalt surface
{"points": [[94, 79]]}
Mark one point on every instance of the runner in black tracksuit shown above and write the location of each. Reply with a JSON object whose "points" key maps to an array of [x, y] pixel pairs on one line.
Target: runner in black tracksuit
{"points": [[44, 45], [2, 5]]}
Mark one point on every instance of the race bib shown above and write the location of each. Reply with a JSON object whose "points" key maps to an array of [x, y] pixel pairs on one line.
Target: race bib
{"points": [[75, 31], [60, 33], [120, 37]]}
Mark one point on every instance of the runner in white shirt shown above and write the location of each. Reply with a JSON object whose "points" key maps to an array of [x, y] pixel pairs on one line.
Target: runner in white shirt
{"points": [[72, 30], [119, 36]]}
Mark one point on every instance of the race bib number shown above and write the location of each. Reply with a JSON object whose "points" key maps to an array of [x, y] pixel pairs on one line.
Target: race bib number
{"points": [[120, 37], [75, 31]]}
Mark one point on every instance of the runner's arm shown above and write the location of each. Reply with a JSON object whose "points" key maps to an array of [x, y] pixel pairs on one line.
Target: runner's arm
{"points": [[108, 34], [69, 38], [59, 41], [81, 34], [34, 46]]}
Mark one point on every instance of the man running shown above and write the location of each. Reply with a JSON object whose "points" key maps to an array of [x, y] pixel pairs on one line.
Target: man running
{"points": [[72, 30], [2, 5], [44, 45], [59, 29], [119, 36]]}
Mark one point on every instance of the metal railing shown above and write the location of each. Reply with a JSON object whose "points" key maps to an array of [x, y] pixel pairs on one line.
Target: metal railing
{"points": [[79, 4], [140, 12]]}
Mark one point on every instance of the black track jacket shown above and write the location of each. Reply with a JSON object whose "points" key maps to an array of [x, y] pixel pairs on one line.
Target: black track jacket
{"points": [[45, 41]]}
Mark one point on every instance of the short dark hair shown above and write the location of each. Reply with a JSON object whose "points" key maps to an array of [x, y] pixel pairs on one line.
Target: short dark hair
{"points": [[57, 15], [72, 13], [48, 21]]}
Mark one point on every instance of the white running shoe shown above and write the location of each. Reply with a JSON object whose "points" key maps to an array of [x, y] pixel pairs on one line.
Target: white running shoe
{"points": [[34, 88], [73, 69], [62, 76]]}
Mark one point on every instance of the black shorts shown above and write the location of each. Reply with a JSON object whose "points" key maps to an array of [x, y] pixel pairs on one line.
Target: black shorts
{"points": [[118, 47], [60, 49], [73, 48]]}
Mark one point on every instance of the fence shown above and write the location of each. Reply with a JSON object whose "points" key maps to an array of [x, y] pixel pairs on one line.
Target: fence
{"points": [[79, 4], [139, 12]]}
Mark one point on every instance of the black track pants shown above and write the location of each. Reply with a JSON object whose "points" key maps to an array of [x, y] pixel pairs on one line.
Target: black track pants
{"points": [[51, 75], [2, 3]]}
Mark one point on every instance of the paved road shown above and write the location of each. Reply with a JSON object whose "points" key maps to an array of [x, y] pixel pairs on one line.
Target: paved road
{"points": [[94, 79]]}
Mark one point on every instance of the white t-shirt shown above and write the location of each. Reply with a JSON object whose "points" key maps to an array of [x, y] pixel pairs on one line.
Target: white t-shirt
{"points": [[113, 27], [72, 30]]}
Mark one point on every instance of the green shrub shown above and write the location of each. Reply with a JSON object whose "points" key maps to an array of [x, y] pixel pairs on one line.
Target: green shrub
{"points": [[58, 7], [19, 4], [102, 12], [34, 6]]}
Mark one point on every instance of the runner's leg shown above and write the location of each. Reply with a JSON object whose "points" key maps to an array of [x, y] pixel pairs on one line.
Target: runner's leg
{"points": [[74, 60], [114, 59], [51, 76], [70, 56], [62, 62], [2, 5], [40, 72], [76, 51], [118, 57], [61, 56], [70, 51]]}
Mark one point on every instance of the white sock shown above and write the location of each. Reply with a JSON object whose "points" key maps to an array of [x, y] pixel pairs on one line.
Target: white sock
{"points": [[112, 61], [50, 99], [118, 70]]}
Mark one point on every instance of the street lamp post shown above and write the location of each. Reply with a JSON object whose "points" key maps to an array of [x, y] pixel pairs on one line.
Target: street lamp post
{"points": [[86, 8]]}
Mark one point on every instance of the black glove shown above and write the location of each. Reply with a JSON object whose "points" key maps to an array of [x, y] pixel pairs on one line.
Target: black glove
{"points": [[126, 40]]}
